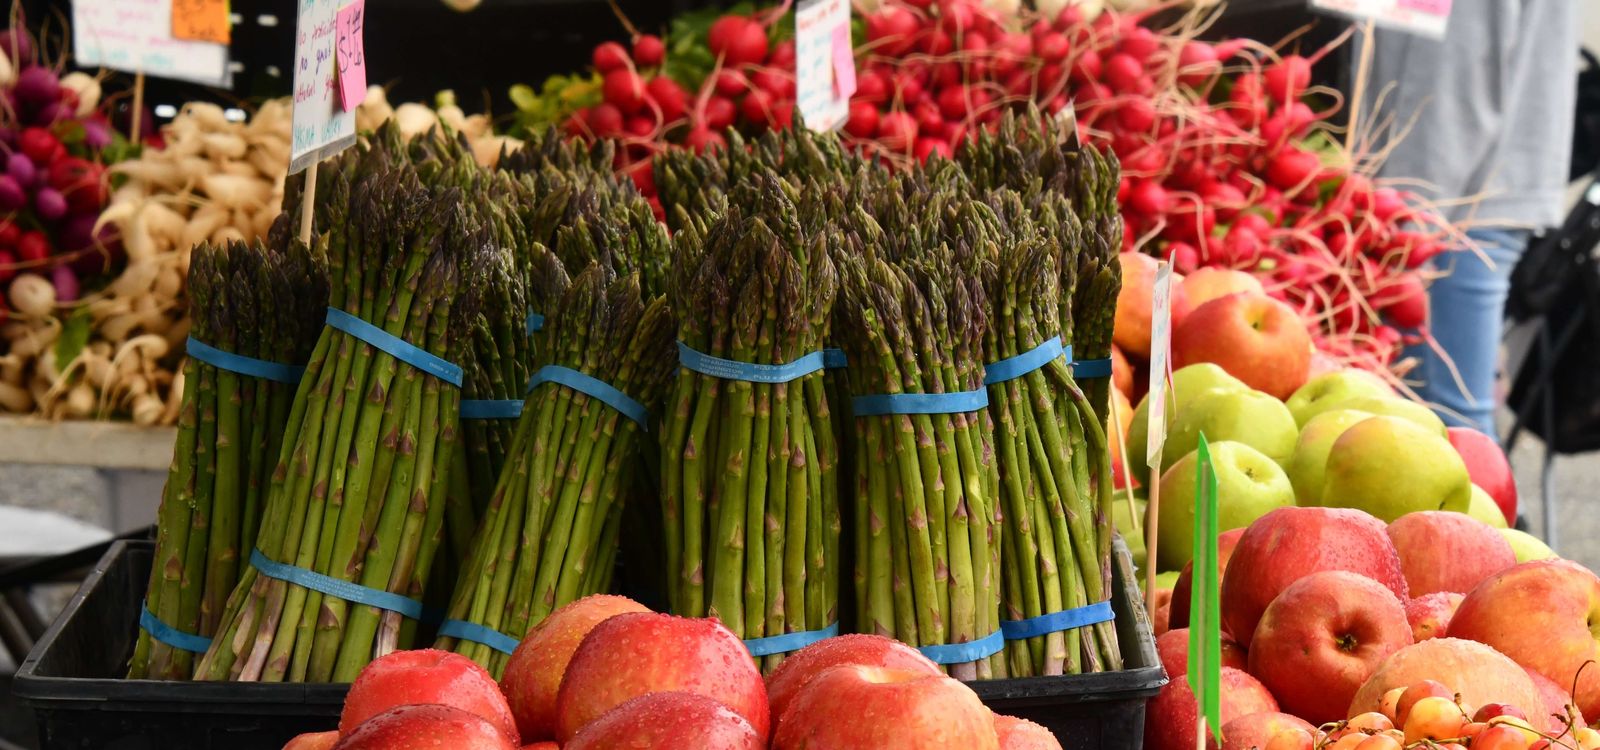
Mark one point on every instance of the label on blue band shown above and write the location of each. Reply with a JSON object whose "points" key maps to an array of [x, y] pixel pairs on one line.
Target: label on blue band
{"points": [[1012, 368], [477, 408], [605, 392], [256, 368], [401, 349], [346, 590], [170, 635], [1055, 622], [471, 631], [535, 322], [728, 369], [1092, 368], [919, 403], [961, 653], [834, 359], [786, 642]]}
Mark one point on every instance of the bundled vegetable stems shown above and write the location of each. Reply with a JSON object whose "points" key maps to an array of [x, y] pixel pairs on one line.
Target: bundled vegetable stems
{"points": [[749, 484], [255, 302], [357, 493]]}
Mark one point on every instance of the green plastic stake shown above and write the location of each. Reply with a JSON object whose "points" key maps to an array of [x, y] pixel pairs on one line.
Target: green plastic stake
{"points": [[1205, 632]]}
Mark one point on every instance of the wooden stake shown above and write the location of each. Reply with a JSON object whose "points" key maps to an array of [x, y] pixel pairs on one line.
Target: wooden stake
{"points": [[1120, 445], [308, 198], [1152, 532], [138, 105], [1200, 732]]}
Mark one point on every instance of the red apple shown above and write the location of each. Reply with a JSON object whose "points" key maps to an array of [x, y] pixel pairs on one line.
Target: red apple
{"points": [[885, 709], [313, 741], [1430, 615], [1446, 551], [1021, 734], [1478, 673], [662, 721], [1256, 730], [800, 668], [428, 726], [1288, 544], [1210, 282], [1488, 467], [1173, 649], [1321, 639], [1121, 372], [545, 745], [1256, 338], [532, 677], [1169, 719], [1557, 704], [1131, 329], [421, 677], [636, 653], [1226, 542]]}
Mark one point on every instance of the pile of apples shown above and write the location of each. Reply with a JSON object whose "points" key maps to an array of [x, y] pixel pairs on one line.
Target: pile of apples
{"points": [[605, 672]]}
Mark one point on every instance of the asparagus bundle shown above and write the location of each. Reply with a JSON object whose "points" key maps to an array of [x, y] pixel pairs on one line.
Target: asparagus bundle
{"points": [[357, 493], [250, 302], [748, 456], [549, 535]]}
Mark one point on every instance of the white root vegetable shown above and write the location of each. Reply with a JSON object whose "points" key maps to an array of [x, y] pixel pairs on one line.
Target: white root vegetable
{"points": [[15, 398], [147, 410], [80, 402], [235, 191], [32, 295], [226, 145], [87, 87]]}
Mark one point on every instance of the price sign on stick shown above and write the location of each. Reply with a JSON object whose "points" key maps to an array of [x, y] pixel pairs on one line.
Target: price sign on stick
{"points": [[1160, 347], [1205, 623], [351, 51], [825, 67], [136, 36], [1422, 17], [201, 20], [321, 127]]}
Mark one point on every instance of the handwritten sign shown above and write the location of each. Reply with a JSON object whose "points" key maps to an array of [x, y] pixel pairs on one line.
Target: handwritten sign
{"points": [[135, 36], [1422, 17], [1160, 347], [352, 55], [321, 127], [201, 21], [844, 62], [817, 63]]}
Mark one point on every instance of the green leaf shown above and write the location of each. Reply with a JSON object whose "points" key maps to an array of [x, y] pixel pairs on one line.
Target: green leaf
{"points": [[74, 336], [523, 97]]}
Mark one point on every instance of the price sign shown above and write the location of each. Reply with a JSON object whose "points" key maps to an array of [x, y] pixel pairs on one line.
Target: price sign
{"points": [[321, 127], [1422, 17], [352, 55], [135, 36], [201, 20], [1160, 347], [825, 72]]}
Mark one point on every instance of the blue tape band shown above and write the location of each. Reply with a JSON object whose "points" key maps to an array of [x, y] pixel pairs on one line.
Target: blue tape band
{"points": [[961, 653], [834, 359], [256, 368], [599, 389], [535, 322], [1012, 368], [170, 635], [919, 403], [471, 631], [1055, 622], [477, 408], [346, 590], [1092, 368], [728, 369], [402, 350], [783, 644]]}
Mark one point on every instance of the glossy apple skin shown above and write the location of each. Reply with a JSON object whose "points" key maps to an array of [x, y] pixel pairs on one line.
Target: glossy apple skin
{"points": [[662, 721], [426, 727], [1021, 734], [426, 676], [1258, 729], [1430, 615], [1444, 551], [1487, 464], [803, 666], [532, 677], [1256, 338], [1169, 719], [313, 741], [885, 709], [1478, 673]]}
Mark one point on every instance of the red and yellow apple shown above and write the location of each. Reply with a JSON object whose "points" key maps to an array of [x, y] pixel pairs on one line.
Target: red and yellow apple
{"points": [[1172, 647], [426, 676], [313, 741], [1184, 588], [887, 709], [1258, 339], [1389, 466], [1121, 372], [1479, 674], [1445, 551], [1254, 731], [803, 666], [664, 721], [1021, 734], [1169, 719], [1487, 465], [1131, 329], [533, 675], [1430, 614], [1210, 282], [1557, 705], [427, 726]]}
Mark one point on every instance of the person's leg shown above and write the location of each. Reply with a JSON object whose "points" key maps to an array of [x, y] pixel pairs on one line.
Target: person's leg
{"points": [[1466, 315]]}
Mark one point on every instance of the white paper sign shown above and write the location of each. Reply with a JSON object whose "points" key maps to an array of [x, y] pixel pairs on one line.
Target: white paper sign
{"points": [[135, 36], [1160, 347], [322, 128], [1422, 17], [816, 94]]}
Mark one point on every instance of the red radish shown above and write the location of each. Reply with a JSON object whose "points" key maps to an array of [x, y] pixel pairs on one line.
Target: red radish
{"points": [[872, 87], [577, 125], [1141, 43], [1292, 167], [1185, 258], [863, 122], [39, 145], [609, 56], [1086, 68], [701, 138], [1137, 115], [605, 120], [1404, 302], [953, 103], [640, 126], [643, 174], [1053, 47], [936, 43], [648, 51], [624, 89], [8, 266], [891, 30], [927, 147], [955, 133], [50, 204], [1051, 78], [783, 114], [669, 96], [1197, 62], [738, 40], [930, 120], [1124, 74], [33, 247], [730, 83], [782, 56], [897, 131], [956, 17], [757, 108], [719, 113], [776, 82], [1149, 198], [1288, 78], [12, 195], [9, 233], [1387, 204], [1421, 253]]}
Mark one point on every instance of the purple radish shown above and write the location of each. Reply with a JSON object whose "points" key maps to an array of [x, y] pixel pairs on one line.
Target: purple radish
{"points": [[21, 168], [50, 204], [12, 196], [96, 133], [66, 284], [18, 45], [38, 85], [77, 232]]}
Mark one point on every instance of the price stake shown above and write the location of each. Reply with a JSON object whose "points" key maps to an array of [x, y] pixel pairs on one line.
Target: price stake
{"points": [[136, 36], [825, 68], [1427, 18], [201, 21], [1155, 441], [352, 55], [1205, 617]]}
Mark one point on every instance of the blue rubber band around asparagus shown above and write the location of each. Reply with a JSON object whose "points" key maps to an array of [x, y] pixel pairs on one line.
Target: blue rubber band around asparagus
{"points": [[171, 636], [1092, 368], [1055, 622], [346, 590], [961, 653], [475, 408], [786, 642], [535, 322], [471, 631], [919, 403], [397, 347], [1012, 368], [599, 389], [729, 369], [256, 368]]}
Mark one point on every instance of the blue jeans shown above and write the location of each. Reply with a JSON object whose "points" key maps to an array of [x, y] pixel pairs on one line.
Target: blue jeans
{"points": [[1466, 311]]}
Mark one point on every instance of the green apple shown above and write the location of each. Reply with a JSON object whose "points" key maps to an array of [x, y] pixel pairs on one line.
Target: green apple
{"points": [[1249, 485], [1389, 466], [1332, 390], [1527, 547], [1484, 508], [1187, 383], [1250, 417], [1131, 529], [1394, 406], [1311, 451], [1167, 580]]}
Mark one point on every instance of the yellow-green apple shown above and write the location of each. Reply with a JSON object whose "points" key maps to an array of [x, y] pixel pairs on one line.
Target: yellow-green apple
{"points": [[1430, 614], [1262, 341], [1169, 719], [1250, 417], [1482, 507], [1172, 648], [1188, 384], [1124, 510], [1116, 435], [1333, 390], [1290, 543], [1558, 706], [662, 721], [1527, 546], [423, 677], [1021, 734], [1389, 467], [1131, 329], [1480, 674], [1490, 470], [1320, 640], [1249, 485], [313, 741], [1184, 587], [879, 707], [1445, 551], [532, 677], [1306, 465], [1121, 371], [1541, 614], [1210, 282], [635, 653], [1394, 406], [1254, 731], [426, 726], [803, 666]]}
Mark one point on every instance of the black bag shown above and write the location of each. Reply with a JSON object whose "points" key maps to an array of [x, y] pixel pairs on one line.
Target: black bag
{"points": [[1586, 133]]}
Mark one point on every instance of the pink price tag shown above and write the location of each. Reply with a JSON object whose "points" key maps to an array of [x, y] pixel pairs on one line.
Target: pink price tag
{"points": [[844, 62], [351, 53]]}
